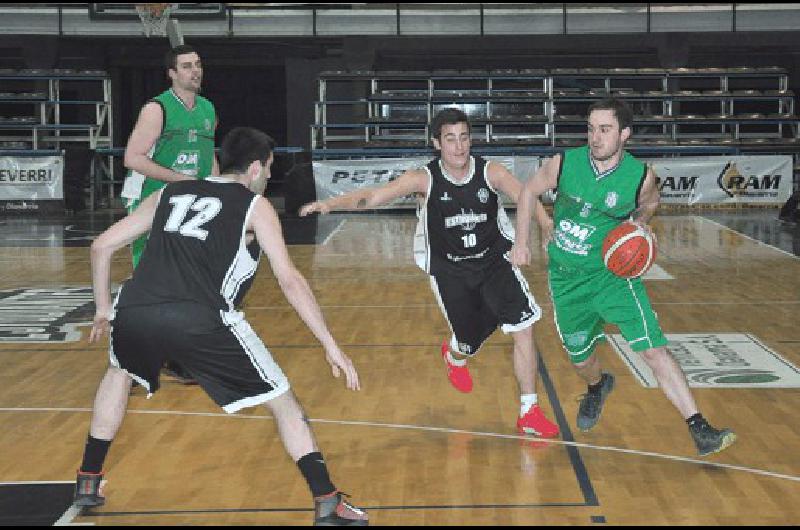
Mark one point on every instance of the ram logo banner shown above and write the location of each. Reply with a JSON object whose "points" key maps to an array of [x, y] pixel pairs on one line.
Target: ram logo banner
{"points": [[717, 360], [48, 315], [736, 184]]}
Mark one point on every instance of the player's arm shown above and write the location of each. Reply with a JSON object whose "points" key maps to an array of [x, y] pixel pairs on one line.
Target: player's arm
{"points": [[264, 221], [546, 178], [649, 198], [120, 234], [143, 138], [413, 181], [501, 179]]}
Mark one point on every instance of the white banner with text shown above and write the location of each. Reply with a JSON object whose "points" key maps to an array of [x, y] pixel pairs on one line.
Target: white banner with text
{"points": [[25, 182], [757, 179]]}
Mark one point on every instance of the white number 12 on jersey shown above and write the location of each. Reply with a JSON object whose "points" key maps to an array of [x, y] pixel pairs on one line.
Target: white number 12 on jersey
{"points": [[207, 208]]}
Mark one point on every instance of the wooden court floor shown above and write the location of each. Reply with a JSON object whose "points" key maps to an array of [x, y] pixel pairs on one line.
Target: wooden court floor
{"points": [[408, 447]]}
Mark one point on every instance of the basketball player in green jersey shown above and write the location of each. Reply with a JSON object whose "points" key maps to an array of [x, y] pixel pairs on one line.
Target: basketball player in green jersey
{"points": [[173, 138], [599, 186]]}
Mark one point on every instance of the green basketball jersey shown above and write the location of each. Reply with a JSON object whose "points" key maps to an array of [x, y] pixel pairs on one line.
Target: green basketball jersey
{"points": [[590, 204], [186, 144]]}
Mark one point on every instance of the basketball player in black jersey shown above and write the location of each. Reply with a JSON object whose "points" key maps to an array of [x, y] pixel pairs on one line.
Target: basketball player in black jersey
{"points": [[197, 265], [463, 239]]}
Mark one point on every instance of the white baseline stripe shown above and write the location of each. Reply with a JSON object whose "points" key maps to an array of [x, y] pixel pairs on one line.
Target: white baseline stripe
{"points": [[750, 238], [706, 463], [25, 482], [335, 231], [404, 306], [71, 513]]}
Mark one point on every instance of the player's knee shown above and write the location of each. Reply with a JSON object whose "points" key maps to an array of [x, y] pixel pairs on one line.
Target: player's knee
{"points": [[523, 335], [654, 355], [581, 364]]}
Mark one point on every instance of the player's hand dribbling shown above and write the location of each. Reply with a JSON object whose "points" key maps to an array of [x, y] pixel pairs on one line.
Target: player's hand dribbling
{"points": [[646, 227], [341, 363]]}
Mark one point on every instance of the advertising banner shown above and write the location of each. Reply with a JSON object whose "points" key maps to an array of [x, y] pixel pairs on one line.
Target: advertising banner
{"points": [[758, 179], [31, 184], [724, 179]]}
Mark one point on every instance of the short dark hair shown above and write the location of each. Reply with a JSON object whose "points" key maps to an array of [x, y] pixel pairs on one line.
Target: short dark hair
{"points": [[622, 111], [447, 116], [241, 147], [171, 57]]}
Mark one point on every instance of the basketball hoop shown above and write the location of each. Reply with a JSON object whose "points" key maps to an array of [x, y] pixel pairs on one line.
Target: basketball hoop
{"points": [[154, 18]]}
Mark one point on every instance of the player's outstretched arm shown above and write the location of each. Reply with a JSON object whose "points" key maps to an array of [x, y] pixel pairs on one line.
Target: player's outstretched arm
{"points": [[544, 179], [265, 223], [501, 179], [120, 234], [413, 181]]}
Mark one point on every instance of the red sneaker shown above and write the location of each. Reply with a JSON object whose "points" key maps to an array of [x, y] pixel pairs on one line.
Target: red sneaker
{"points": [[534, 422], [458, 375]]}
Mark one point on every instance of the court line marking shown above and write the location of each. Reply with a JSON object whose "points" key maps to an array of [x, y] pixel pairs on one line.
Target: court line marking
{"points": [[748, 237], [412, 306], [369, 508], [334, 232], [446, 430], [70, 515], [26, 482]]}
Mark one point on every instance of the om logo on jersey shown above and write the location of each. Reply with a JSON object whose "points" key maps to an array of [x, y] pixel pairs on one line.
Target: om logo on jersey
{"points": [[612, 198], [571, 237], [483, 195], [187, 162]]}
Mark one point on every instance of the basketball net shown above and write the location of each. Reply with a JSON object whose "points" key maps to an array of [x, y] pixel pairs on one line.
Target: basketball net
{"points": [[154, 18]]}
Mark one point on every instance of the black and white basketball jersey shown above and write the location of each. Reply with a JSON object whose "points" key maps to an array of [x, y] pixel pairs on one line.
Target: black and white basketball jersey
{"points": [[462, 227], [197, 250]]}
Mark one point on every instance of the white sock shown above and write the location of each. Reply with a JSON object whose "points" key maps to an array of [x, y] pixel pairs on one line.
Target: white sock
{"points": [[456, 362], [527, 402]]}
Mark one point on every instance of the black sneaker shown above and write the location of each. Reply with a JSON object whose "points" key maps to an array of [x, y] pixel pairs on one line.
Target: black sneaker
{"points": [[89, 489], [710, 440], [173, 369], [333, 510], [592, 403]]}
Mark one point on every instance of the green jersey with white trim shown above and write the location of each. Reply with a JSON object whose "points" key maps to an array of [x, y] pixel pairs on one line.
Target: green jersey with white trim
{"points": [[589, 204]]}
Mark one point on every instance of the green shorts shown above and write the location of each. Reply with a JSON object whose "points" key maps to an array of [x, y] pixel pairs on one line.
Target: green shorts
{"points": [[583, 302]]}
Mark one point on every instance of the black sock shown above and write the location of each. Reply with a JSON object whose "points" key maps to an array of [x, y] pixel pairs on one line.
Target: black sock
{"points": [[314, 470], [94, 454], [595, 389], [694, 419]]}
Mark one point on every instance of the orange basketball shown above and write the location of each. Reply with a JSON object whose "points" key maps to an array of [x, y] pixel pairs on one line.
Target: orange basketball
{"points": [[628, 250]]}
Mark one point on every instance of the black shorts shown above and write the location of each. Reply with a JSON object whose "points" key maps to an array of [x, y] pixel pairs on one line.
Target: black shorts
{"points": [[475, 305], [219, 349]]}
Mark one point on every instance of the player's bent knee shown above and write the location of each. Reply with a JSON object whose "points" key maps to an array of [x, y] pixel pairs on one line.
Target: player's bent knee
{"points": [[653, 355]]}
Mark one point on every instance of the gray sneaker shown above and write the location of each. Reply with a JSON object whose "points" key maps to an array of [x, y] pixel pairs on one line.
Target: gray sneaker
{"points": [[89, 490], [592, 403], [333, 510], [710, 440]]}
